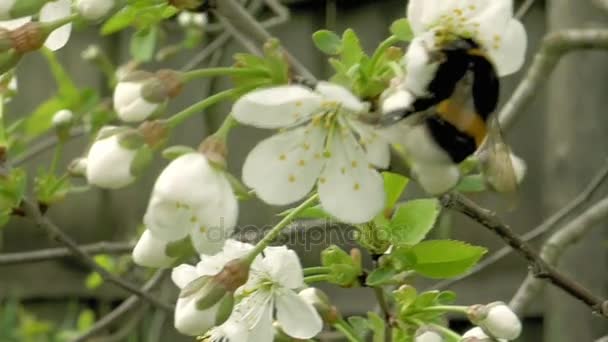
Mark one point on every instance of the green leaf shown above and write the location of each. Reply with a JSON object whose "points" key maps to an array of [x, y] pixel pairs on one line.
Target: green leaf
{"points": [[446, 298], [360, 325], [143, 44], [378, 326], [405, 296], [445, 258], [380, 276], [49, 188], [119, 21], [472, 183], [413, 220], [328, 42], [394, 185], [401, 29], [86, 319], [344, 271], [352, 52]]}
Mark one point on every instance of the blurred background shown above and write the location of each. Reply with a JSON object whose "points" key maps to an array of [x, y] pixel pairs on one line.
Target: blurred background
{"points": [[562, 135]]}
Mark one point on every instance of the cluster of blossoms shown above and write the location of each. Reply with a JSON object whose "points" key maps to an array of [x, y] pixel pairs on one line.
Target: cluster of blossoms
{"points": [[268, 293], [322, 145]]}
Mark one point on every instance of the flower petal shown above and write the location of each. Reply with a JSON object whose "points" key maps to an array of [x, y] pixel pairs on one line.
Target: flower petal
{"points": [[283, 168], [420, 70], [284, 267], [52, 11], [349, 188], [338, 94], [297, 318], [15, 23], [150, 252], [423, 13], [183, 275], [109, 164], [217, 219], [276, 107], [436, 179], [190, 321], [168, 219], [256, 312], [231, 330], [510, 55], [213, 264], [129, 103], [5, 9], [376, 147]]}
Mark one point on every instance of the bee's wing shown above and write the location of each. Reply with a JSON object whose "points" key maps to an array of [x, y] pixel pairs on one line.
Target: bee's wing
{"points": [[496, 162]]}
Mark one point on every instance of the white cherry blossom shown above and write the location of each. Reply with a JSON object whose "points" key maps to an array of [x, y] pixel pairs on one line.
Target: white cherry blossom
{"points": [[192, 198], [478, 335], [271, 288], [109, 163], [321, 143], [190, 320], [491, 24]]}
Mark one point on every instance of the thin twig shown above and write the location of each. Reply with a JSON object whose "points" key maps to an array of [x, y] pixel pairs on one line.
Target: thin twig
{"points": [[539, 267], [121, 309], [45, 145], [544, 227], [555, 247], [63, 252], [554, 47], [243, 21], [45, 223], [123, 333], [524, 8]]}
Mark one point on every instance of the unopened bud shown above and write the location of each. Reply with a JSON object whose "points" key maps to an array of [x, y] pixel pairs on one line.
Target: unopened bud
{"points": [[322, 304], [427, 334], [478, 335], [91, 53], [496, 319], [155, 133], [191, 19], [111, 156], [215, 150], [62, 118]]}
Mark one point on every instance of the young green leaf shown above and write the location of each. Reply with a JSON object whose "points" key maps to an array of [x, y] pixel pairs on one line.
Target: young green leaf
{"points": [[394, 185], [380, 276], [472, 183], [360, 325], [401, 29], [143, 44], [445, 258], [352, 52], [328, 42], [378, 326], [413, 220]]}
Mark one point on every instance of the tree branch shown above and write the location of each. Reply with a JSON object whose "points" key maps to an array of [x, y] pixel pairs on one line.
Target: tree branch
{"points": [[554, 248], [554, 47], [57, 253], [238, 19], [539, 267], [45, 223], [544, 227], [123, 308]]}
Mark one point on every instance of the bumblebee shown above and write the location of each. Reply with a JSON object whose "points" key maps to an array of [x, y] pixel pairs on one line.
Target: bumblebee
{"points": [[454, 119]]}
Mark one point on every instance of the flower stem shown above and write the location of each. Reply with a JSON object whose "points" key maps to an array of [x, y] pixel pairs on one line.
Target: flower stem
{"points": [[446, 308], [56, 156], [316, 270], [276, 230], [3, 137], [228, 124], [221, 71], [316, 278], [185, 114], [446, 332], [346, 330], [53, 25]]}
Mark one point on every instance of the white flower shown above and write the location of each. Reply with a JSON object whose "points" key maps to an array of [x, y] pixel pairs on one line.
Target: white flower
{"points": [[323, 144], [190, 320], [427, 335], [131, 101], [191, 19], [519, 167], [94, 9], [62, 117], [52, 11], [489, 23], [501, 322], [271, 288], [192, 198], [150, 252], [109, 163], [478, 335]]}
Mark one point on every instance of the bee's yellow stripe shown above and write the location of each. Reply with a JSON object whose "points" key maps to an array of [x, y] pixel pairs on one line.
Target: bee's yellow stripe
{"points": [[465, 120]]}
